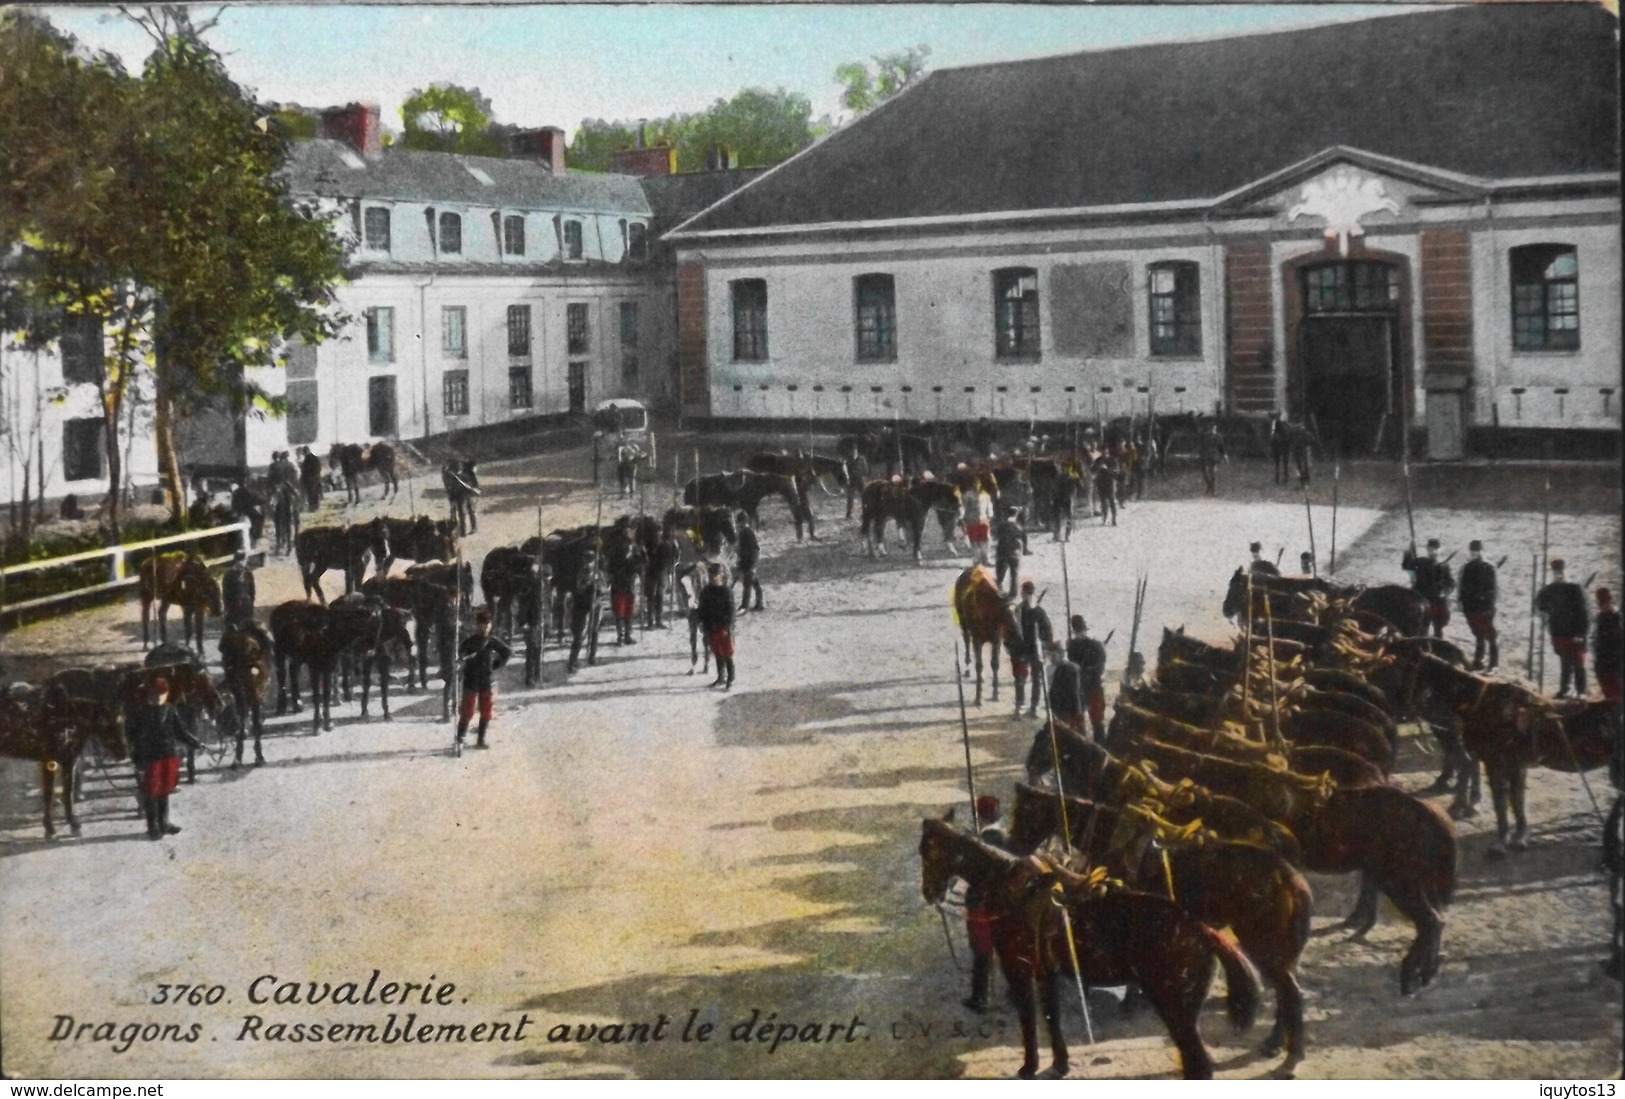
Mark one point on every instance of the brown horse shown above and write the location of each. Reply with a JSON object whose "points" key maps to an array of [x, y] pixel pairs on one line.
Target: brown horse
{"points": [[419, 539], [245, 658], [47, 726], [182, 579], [1116, 935], [351, 459], [884, 500], [983, 618], [1251, 890], [320, 549]]}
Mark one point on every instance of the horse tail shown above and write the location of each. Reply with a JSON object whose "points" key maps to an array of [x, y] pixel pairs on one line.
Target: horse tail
{"points": [[1243, 994]]}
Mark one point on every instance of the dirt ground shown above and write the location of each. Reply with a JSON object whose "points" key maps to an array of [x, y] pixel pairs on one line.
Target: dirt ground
{"points": [[636, 845]]}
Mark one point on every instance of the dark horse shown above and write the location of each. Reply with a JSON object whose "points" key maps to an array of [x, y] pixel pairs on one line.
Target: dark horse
{"points": [[806, 470], [983, 618], [1397, 606], [351, 459], [182, 579], [744, 490], [419, 539], [345, 548], [1116, 935], [45, 725], [707, 527], [886, 500], [1251, 890], [245, 659]]}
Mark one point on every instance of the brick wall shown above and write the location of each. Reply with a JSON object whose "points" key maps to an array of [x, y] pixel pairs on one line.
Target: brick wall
{"points": [[656, 161], [1250, 322], [1447, 303], [695, 394]]}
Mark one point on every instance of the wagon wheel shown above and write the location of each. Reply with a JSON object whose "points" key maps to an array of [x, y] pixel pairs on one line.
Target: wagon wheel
{"points": [[218, 740], [594, 620]]}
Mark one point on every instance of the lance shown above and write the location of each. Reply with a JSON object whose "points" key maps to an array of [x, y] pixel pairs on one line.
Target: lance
{"points": [[456, 645], [1066, 588], [1066, 839], [541, 609], [643, 585], [1275, 711], [1310, 516], [411, 498], [597, 563], [1111, 634], [1501, 562], [1589, 579], [697, 500], [1134, 629], [1410, 517], [897, 436], [1534, 612], [1337, 475], [1279, 553], [964, 729], [1545, 550], [1247, 660]]}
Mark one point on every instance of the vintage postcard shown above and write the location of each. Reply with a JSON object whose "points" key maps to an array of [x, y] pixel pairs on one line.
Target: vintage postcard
{"points": [[801, 541]]}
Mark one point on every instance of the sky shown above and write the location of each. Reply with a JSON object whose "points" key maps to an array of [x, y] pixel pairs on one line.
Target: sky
{"points": [[559, 64]]}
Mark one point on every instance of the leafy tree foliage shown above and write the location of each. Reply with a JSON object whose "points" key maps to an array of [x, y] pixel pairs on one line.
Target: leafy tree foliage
{"points": [[449, 118], [868, 87], [757, 127]]}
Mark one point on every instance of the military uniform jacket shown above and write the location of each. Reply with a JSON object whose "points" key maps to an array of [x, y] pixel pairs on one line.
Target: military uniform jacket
{"points": [[1090, 657], [1606, 644], [750, 550], [156, 732], [1035, 632], [1477, 589], [237, 592], [1066, 689], [1211, 447], [716, 608], [1432, 579], [481, 657], [1262, 567], [1564, 606], [1007, 539]]}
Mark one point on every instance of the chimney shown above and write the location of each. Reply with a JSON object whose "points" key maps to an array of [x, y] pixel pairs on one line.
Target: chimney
{"points": [[545, 145], [659, 160], [355, 124]]}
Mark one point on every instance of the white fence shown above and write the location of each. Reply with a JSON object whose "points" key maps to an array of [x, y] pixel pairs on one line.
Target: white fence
{"points": [[116, 577]]}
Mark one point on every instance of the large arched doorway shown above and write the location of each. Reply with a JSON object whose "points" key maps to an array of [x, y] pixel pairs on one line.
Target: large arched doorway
{"points": [[1350, 373]]}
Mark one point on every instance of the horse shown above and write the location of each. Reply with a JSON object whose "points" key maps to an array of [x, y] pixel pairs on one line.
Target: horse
{"points": [[507, 573], [319, 549], [983, 618], [368, 634], [245, 659], [707, 527], [419, 539], [941, 498], [883, 500], [1251, 890], [351, 459], [47, 726], [805, 470], [744, 490], [885, 447], [177, 578], [1115, 935]]}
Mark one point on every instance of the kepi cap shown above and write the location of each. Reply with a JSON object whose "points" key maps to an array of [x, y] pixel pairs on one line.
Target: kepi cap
{"points": [[1475, 546]]}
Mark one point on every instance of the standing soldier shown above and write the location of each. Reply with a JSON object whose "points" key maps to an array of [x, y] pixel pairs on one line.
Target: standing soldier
{"points": [[246, 505], [1105, 477], [1258, 566], [1477, 595], [978, 919], [284, 500], [155, 733], [716, 614], [237, 592], [1210, 449], [1607, 647], [662, 561], [978, 510], [1027, 646], [1090, 657], [626, 565], [1564, 605], [1280, 448], [310, 477], [482, 653], [1063, 501], [1007, 539], [626, 468], [1065, 690], [749, 556], [1431, 579]]}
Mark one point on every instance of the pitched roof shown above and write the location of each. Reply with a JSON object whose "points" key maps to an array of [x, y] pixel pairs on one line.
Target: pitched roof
{"points": [[1493, 91], [331, 168]]}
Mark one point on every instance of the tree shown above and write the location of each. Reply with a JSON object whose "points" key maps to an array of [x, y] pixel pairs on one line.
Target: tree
{"points": [[449, 118], [759, 128], [866, 88]]}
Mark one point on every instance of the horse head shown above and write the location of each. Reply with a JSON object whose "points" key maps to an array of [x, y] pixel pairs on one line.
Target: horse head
{"points": [[376, 534], [939, 857], [1235, 596]]}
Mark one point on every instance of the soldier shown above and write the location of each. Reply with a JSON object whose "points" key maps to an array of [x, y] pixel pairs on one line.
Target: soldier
{"points": [[978, 510], [284, 480], [1258, 566], [625, 567], [626, 468], [155, 733], [1302, 443], [482, 653], [237, 596], [1477, 595], [978, 920], [1090, 657], [667, 552], [1066, 699], [1431, 579], [1607, 646], [1210, 450], [716, 614], [749, 556], [310, 477], [462, 485], [1280, 448], [1564, 605], [1027, 646], [1306, 564], [1062, 502], [1007, 539], [1106, 477]]}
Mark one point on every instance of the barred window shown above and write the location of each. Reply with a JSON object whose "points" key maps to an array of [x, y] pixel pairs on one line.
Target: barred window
{"points": [[576, 330], [381, 334], [454, 332], [1350, 286], [376, 228], [1545, 298], [83, 455], [519, 330], [876, 318], [1015, 313], [456, 392], [1176, 308], [572, 240], [513, 235], [519, 396], [82, 348], [629, 324], [451, 234], [750, 320]]}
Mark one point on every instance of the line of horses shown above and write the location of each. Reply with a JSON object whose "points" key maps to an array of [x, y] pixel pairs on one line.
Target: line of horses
{"points": [[1220, 783]]}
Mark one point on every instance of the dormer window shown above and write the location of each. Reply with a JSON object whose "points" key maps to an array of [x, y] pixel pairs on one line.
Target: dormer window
{"points": [[451, 234], [572, 240], [376, 228], [637, 241], [513, 235]]}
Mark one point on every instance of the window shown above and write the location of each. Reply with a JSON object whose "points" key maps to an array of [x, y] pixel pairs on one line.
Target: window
{"points": [[513, 235], [82, 451], [1545, 298], [876, 318], [82, 349], [1352, 286], [1015, 313], [575, 315], [637, 241], [1176, 309], [451, 234], [629, 324], [455, 388], [572, 240], [381, 405], [454, 332], [381, 335], [750, 320], [519, 330], [376, 228], [518, 387]]}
